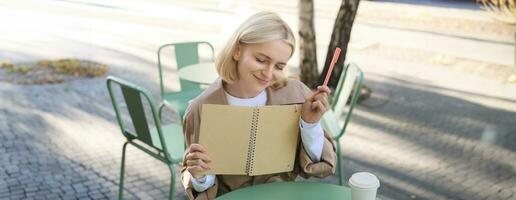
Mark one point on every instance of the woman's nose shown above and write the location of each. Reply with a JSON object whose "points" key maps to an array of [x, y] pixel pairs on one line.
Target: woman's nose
{"points": [[267, 72]]}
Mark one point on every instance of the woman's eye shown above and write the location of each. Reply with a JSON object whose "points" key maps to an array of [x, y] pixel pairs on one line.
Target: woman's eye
{"points": [[278, 67], [260, 60]]}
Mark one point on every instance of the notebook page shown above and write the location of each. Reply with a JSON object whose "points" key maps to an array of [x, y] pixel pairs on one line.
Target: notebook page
{"points": [[225, 133]]}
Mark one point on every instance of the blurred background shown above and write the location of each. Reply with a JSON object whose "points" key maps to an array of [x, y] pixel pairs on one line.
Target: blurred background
{"points": [[437, 121]]}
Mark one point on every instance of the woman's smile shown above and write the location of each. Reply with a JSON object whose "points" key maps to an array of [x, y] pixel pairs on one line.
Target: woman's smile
{"points": [[262, 81]]}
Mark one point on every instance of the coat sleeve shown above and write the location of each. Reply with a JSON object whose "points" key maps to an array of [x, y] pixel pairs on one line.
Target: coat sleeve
{"points": [[190, 126], [323, 168], [327, 165]]}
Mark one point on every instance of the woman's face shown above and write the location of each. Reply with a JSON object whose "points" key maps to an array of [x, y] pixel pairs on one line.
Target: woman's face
{"points": [[260, 64]]}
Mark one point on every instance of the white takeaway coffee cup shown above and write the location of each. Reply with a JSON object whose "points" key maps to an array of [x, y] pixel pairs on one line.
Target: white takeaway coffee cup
{"points": [[363, 186]]}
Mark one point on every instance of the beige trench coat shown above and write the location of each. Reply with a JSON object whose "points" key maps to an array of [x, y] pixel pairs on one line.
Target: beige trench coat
{"points": [[293, 92]]}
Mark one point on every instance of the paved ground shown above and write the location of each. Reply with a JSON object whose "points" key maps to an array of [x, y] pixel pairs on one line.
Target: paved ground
{"points": [[430, 131]]}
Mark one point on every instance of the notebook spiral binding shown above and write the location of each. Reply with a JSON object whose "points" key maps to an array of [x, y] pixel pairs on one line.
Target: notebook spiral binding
{"points": [[252, 141]]}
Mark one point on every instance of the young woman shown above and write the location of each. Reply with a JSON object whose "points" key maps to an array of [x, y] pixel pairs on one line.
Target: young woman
{"points": [[251, 68]]}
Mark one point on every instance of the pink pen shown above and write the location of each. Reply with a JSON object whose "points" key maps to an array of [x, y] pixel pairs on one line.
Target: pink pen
{"points": [[333, 61]]}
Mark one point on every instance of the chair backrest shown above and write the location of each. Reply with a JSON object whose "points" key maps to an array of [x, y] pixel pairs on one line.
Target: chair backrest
{"points": [[349, 84], [132, 96], [186, 53]]}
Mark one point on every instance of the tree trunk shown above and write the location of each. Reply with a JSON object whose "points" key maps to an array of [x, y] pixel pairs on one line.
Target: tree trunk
{"points": [[340, 38], [308, 48]]}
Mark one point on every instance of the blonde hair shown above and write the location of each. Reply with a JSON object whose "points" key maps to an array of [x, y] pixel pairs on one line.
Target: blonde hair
{"points": [[260, 28]]}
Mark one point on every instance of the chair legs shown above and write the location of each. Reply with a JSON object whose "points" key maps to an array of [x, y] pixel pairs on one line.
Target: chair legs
{"points": [[122, 169], [340, 171], [172, 182]]}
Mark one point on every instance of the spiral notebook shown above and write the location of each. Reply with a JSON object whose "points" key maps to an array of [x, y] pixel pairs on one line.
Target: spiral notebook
{"points": [[250, 140]]}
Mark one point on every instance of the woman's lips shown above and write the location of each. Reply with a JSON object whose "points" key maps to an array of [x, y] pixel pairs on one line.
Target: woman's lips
{"points": [[262, 81]]}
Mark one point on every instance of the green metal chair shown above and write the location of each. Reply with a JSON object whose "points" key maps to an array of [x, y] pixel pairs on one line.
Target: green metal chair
{"points": [[186, 53], [165, 143], [350, 82]]}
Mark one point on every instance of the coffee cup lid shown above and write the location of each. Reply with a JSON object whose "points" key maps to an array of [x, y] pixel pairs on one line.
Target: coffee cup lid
{"points": [[364, 180]]}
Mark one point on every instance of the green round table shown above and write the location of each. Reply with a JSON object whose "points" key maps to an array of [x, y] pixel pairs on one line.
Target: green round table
{"points": [[202, 73], [290, 190]]}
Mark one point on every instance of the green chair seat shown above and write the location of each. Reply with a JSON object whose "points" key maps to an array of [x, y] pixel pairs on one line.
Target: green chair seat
{"points": [[174, 140], [179, 100]]}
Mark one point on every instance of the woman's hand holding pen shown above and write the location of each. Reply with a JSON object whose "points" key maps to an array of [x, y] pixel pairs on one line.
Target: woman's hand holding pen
{"points": [[316, 105], [197, 160]]}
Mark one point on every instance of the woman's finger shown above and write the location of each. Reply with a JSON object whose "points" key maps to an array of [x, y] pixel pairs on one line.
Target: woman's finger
{"points": [[198, 162], [317, 105], [205, 166], [321, 97], [196, 147], [321, 107], [311, 97], [313, 105], [198, 155], [195, 169], [190, 163], [326, 103], [195, 162], [324, 89]]}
